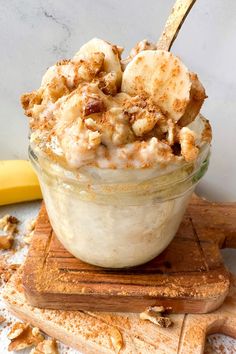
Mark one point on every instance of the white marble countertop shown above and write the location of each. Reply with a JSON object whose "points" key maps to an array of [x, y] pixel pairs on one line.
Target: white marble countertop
{"points": [[24, 212]]}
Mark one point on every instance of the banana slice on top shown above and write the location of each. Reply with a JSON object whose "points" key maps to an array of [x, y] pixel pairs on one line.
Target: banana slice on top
{"points": [[111, 52], [161, 76]]}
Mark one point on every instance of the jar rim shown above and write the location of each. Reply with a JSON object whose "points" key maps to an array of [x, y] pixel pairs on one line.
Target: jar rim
{"points": [[91, 174]]}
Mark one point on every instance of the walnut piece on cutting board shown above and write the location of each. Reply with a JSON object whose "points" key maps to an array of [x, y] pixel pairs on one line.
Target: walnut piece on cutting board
{"points": [[157, 315], [6, 242], [48, 346], [29, 231], [16, 330], [23, 336], [8, 224]]}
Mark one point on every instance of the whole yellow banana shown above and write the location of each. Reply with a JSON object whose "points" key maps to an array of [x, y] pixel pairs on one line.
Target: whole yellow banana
{"points": [[18, 182]]}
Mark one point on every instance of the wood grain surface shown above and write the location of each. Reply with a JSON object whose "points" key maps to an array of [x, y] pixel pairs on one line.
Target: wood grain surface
{"points": [[95, 333], [188, 276]]}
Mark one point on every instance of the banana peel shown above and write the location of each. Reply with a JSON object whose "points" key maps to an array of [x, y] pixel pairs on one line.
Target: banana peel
{"points": [[18, 182]]}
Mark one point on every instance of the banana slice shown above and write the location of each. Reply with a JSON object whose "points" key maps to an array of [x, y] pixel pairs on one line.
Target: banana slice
{"points": [[112, 60], [197, 97], [167, 81]]}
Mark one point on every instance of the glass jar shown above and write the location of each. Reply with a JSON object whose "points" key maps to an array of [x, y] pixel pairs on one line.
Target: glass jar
{"points": [[116, 218]]}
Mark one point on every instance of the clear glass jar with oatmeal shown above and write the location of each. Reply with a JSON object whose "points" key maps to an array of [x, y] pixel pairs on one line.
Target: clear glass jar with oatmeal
{"points": [[118, 148], [116, 218]]}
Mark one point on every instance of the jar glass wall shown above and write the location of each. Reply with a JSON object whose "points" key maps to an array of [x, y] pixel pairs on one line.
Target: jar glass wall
{"points": [[116, 218]]}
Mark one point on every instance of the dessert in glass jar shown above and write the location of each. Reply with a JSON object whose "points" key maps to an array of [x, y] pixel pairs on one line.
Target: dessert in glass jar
{"points": [[118, 149]]}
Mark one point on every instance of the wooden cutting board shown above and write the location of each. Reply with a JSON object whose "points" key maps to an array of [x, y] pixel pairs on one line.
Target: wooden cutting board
{"points": [[96, 333], [188, 276]]}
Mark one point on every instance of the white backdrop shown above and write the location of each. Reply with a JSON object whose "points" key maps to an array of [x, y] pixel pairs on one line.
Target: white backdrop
{"points": [[34, 34]]}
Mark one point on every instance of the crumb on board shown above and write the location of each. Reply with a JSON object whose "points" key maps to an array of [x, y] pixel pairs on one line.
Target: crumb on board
{"points": [[30, 226], [116, 339], [6, 270]]}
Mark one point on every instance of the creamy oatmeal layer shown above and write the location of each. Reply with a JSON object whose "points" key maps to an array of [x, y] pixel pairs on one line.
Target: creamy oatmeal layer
{"points": [[99, 110]]}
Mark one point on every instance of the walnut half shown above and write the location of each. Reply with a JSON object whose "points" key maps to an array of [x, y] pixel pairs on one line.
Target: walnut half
{"points": [[6, 242], [157, 315], [23, 336], [93, 105], [8, 223]]}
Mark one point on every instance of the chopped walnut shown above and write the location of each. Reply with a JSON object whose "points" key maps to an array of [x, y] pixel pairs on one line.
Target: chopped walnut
{"points": [[8, 271], [23, 336], [116, 339], [6, 242], [36, 332], [113, 127], [84, 101], [5, 276], [30, 231], [79, 70], [121, 134], [157, 315], [8, 224], [59, 81], [10, 228], [94, 139], [28, 100], [91, 124], [48, 346], [107, 83], [207, 132], [144, 125], [143, 115], [30, 226], [12, 219], [167, 131], [17, 329], [93, 105], [55, 89], [187, 142], [89, 67], [28, 238]]}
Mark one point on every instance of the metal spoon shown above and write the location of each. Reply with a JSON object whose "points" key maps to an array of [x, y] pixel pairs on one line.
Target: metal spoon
{"points": [[174, 22]]}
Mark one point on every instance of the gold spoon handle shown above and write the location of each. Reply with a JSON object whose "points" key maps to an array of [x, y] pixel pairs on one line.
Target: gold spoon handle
{"points": [[174, 22]]}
